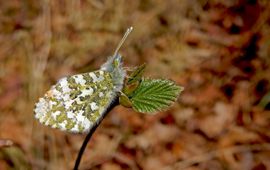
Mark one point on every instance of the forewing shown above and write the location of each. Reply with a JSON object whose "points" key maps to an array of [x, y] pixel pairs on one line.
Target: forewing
{"points": [[76, 102]]}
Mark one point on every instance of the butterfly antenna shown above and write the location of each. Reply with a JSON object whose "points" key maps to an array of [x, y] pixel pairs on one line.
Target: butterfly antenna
{"points": [[122, 40]]}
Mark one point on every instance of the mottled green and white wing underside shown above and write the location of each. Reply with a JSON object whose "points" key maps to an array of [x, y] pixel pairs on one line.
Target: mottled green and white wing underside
{"points": [[76, 102]]}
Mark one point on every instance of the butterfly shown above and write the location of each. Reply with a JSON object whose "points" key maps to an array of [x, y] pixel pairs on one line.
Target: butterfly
{"points": [[75, 103]]}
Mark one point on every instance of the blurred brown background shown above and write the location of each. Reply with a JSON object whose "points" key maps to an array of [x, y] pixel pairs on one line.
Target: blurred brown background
{"points": [[219, 50]]}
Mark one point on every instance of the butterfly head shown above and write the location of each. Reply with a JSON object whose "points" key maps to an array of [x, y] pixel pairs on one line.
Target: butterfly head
{"points": [[117, 61], [114, 64]]}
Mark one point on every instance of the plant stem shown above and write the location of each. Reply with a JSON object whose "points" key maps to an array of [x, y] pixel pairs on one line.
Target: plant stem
{"points": [[89, 135]]}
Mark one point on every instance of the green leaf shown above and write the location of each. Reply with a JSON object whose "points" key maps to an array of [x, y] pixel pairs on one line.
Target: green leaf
{"points": [[155, 95], [133, 80]]}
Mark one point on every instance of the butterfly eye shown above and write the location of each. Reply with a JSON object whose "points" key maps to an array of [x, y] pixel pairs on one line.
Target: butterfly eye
{"points": [[116, 63]]}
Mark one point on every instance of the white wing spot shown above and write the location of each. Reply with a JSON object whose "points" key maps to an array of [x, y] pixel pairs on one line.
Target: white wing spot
{"points": [[93, 106], [47, 122], [57, 94], [87, 92], [55, 114], [65, 97], [101, 78], [66, 89], [41, 108], [70, 114], [100, 94], [63, 124], [80, 117], [68, 104], [52, 103], [78, 100], [95, 78], [42, 119], [79, 79], [86, 124], [75, 128], [63, 82]]}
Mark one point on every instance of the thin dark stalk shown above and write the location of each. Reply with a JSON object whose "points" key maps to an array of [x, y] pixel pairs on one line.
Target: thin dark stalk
{"points": [[89, 135]]}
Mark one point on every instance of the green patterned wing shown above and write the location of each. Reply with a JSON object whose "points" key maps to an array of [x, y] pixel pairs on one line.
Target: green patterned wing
{"points": [[76, 102]]}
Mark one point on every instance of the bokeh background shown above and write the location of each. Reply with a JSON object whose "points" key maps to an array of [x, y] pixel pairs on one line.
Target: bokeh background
{"points": [[219, 50]]}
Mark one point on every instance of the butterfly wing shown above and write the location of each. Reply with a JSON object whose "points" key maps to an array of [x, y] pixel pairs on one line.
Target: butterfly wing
{"points": [[76, 102]]}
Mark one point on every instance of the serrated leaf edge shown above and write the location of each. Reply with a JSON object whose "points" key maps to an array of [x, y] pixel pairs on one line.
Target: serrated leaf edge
{"points": [[164, 108]]}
